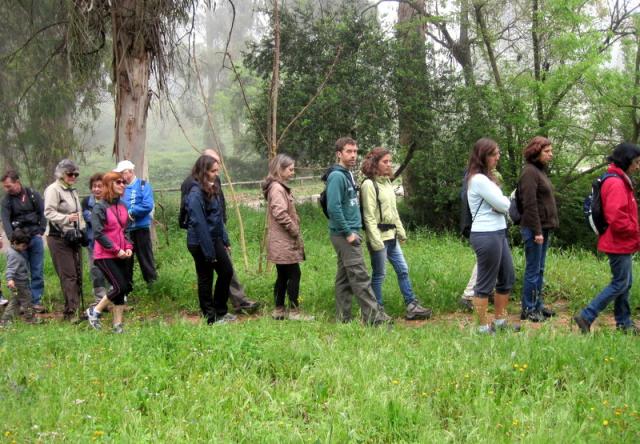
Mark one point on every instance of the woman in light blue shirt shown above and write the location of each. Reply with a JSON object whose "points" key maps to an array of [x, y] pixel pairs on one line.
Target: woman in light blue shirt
{"points": [[489, 235]]}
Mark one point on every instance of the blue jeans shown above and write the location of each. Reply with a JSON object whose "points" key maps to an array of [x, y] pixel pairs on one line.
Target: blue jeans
{"points": [[617, 291], [35, 257], [393, 253], [533, 281]]}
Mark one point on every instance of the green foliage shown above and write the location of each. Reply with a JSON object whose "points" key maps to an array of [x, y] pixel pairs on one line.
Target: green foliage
{"points": [[47, 99], [356, 99]]}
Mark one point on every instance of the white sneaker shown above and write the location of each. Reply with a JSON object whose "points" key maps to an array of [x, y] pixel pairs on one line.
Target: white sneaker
{"points": [[94, 318], [226, 319]]}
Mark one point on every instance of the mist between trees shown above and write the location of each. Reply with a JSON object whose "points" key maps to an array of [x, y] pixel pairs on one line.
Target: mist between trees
{"points": [[426, 82]]}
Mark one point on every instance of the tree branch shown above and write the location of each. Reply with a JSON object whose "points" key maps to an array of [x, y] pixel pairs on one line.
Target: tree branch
{"points": [[246, 102], [9, 57], [40, 71], [410, 152], [315, 96]]}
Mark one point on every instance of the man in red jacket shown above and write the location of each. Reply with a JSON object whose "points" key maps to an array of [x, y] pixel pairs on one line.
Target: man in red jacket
{"points": [[619, 241]]}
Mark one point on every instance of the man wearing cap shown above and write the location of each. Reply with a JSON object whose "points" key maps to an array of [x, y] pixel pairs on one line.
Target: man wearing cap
{"points": [[23, 208], [238, 297], [138, 198]]}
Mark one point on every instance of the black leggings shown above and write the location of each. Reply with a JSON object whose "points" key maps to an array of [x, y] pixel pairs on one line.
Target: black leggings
{"points": [[214, 305], [288, 281], [117, 272]]}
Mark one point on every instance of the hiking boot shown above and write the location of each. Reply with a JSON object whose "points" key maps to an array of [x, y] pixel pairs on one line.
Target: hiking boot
{"points": [[503, 324], [296, 315], [382, 318], [39, 308], [94, 318], [3, 301], [486, 329], [247, 307], [416, 312], [629, 329], [279, 314], [117, 329], [227, 318], [547, 312], [466, 304], [532, 316], [582, 323]]}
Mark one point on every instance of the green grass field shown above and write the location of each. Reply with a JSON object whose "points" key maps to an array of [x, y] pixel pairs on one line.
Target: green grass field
{"points": [[169, 379]]}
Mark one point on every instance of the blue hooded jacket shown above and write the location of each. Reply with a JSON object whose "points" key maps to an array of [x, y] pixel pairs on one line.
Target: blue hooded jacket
{"points": [[138, 198], [205, 221]]}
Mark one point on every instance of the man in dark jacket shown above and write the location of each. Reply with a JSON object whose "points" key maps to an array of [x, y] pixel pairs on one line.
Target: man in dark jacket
{"points": [[237, 295], [24, 208]]}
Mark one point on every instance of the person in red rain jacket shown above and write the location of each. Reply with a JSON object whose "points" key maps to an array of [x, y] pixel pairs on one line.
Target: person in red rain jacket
{"points": [[619, 241]]}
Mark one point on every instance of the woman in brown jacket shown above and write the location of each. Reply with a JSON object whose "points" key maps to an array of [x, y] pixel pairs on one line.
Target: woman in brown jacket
{"points": [[284, 245], [539, 219]]}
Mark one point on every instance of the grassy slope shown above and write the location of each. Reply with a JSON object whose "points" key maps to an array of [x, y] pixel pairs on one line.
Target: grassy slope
{"points": [[266, 381]]}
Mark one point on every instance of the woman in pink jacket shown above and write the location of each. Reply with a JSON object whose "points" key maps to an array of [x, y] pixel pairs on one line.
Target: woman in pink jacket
{"points": [[112, 249], [284, 247], [619, 241]]}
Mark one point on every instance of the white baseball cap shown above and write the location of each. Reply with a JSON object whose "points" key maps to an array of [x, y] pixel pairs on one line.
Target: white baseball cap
{"points": [[124, 165]]}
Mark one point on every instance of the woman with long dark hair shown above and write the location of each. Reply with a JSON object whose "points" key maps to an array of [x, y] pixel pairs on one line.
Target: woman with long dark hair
{"points": [[208, 242], [539, 217], [112, 250], [385, 231], [489, 235], [284, 246], [619, 241]]}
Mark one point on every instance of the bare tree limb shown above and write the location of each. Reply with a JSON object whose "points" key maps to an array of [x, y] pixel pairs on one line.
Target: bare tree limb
{"points": [[313, 99], [246, 102], [234, 196], [9, 57], [184, 132], [38, 74], [407, 158]]}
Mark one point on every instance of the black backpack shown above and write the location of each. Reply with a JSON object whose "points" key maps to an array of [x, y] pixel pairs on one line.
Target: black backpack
{"points": [[592, 206], [323, 194], [515, 207], [466, 219]]}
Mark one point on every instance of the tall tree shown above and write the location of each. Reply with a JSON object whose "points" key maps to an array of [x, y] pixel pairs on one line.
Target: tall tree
{"points": [[143, 35], [47, 95]]}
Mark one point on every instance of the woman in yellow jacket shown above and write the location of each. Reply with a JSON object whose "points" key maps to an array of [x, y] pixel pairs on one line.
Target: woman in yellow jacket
{"points": [[385, 231]]}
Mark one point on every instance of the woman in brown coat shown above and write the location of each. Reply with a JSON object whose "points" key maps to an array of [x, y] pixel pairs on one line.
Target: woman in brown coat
{"points": [[284, 240]]}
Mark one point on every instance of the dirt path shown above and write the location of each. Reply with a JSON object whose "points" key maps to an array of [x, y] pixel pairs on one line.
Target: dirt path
{"points": [[463, 320]]}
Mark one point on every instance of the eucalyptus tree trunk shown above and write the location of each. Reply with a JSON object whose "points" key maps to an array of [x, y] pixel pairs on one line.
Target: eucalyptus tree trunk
{"points": [[275, 84], [132, 69]]}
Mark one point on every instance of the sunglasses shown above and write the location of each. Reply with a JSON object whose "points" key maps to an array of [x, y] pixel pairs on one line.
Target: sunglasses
{"points": [[119, 182], [72, 174]]}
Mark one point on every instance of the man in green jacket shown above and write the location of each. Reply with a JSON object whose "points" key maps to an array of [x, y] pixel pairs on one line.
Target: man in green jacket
{"points": [[345, 223]]}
